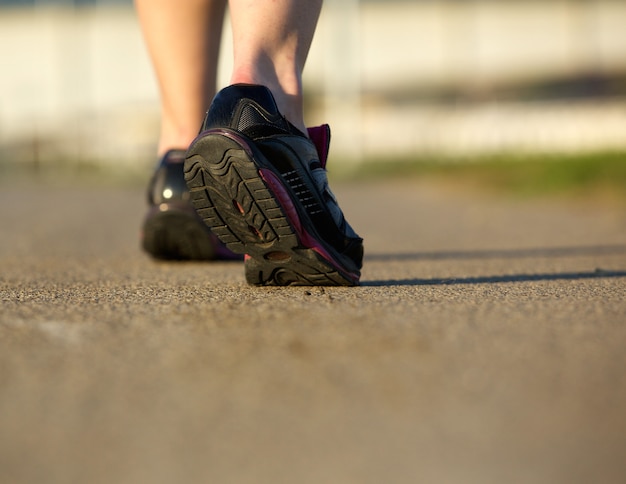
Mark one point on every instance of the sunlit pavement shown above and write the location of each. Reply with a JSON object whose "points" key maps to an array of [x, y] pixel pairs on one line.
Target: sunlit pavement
{"points": [[485, 345]]}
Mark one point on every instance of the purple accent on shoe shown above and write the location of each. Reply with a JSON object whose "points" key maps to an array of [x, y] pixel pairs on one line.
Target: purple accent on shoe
{"points": [[320, 135]]}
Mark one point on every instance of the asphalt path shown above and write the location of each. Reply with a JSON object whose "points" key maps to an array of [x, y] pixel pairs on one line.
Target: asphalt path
{"points": [[487, 344]]}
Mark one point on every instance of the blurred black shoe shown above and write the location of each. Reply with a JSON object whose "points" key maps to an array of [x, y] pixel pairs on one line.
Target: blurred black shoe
{"points": [[172, 229]]}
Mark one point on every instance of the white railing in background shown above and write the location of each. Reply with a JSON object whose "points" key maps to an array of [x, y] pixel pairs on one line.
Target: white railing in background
{"points": [[76, 82]]}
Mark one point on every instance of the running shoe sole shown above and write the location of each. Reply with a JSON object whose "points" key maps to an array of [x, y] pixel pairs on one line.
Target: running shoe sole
{"points": [[250, 210]]}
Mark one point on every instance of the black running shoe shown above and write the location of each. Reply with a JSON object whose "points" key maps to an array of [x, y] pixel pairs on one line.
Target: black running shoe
{"points": [[172, 229], [261, 185]]}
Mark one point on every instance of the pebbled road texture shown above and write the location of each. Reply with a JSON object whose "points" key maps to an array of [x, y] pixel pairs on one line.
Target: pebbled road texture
{"points": [[487, 344]]}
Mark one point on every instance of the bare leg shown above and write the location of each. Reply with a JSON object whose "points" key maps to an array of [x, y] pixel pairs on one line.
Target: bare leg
{"points": [[183, 40], [271, 44]]}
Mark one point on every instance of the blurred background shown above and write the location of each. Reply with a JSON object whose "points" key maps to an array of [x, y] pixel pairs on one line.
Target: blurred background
{"points": [[395, 79]]}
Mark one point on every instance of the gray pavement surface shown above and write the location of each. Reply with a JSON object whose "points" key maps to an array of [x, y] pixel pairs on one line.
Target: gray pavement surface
{"points": [[487, 344]]}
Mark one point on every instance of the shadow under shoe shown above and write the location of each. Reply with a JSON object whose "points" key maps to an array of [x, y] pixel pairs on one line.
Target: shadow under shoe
{"points": [[172, 229], [261, 185]]}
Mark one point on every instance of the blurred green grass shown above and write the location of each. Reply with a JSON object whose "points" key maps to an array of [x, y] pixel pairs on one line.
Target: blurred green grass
{"points": [[593, 176], [598, 175]]}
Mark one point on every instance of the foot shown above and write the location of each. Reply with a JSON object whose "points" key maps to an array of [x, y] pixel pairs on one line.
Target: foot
{"points": [[171, 229], [261, 185]]}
